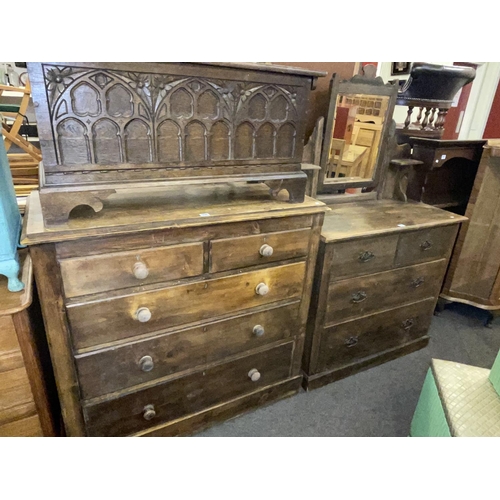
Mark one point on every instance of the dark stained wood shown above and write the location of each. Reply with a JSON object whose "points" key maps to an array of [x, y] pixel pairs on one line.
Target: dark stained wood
{"points": [[112, 271], [355, 297], [111, 123], [181, 350], [366, 336], [234, 253], [189, 394], [48, 279], [229, 409], [95, 323]]}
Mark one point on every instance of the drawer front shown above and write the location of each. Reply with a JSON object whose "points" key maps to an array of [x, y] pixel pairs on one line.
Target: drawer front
{"points": [[234, 253], [101, 273], [425, 245], [354, 340], [364, 256], [139, 362], [124, 317], [357, 297], [199, 390]]}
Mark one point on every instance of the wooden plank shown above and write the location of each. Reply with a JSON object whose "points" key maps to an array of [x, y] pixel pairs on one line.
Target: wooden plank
{"points": [[48, 279], [28, 427]]}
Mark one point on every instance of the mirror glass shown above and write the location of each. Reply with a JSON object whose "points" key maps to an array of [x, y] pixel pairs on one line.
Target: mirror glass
{"points": [[356, 137]]}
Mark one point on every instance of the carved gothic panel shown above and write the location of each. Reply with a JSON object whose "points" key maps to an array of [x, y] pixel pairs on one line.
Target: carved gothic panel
{"points": [[137, 142], [208, 105], [195, 142], [106, 142], [119, 101], [169, 141], [285, 141], [279, 109], [219, 141], [257, 107], [243, 144], [73, 142], [265, 141], [85, 100], [181, 104]]}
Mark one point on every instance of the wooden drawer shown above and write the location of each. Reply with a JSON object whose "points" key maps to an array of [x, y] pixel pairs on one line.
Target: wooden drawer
{"points": [[186, 395], [98, 322], [363, 256], [354, 340], [425, 245], [234, 253], [112, 271], [357, 297], [139, 362]]}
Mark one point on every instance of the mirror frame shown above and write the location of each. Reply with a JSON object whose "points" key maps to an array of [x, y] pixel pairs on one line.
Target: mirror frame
{"points": [[358, 84]]}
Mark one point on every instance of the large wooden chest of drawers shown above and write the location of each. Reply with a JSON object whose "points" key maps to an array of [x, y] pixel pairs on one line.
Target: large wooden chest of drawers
{"points": [[170, 313], [28, 404], [379, 272]]}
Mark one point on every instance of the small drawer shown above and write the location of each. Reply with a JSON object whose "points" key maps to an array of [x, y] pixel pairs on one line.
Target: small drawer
{"points": [[186, 395], [142, 361], [363, 256], [357, 297], [235, 253], [425, 245], [112, 271], [102, 321], [354, 340]]}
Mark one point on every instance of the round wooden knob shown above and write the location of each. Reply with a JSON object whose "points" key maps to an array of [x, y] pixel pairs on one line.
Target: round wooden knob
{"points": [[258, 330], [266, 250], [254, 374], [149, 412], [261, 289], [146, 363], [143, 314], [141, 271]]}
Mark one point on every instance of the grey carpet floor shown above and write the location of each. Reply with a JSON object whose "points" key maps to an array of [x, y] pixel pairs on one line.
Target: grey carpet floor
{"points": [[379, 401]]}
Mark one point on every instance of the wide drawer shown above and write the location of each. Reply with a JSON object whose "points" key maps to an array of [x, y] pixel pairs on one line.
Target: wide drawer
{"points": [[112, 271], [199, 390], [115, 369], [234, 253], [425, 245], [357, 297], [354, 340], [98, 322], [363, 256]]}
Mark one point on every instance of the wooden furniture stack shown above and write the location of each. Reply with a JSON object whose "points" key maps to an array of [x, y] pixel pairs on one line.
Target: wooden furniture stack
{"points": [[184, 301], [27, 406]]}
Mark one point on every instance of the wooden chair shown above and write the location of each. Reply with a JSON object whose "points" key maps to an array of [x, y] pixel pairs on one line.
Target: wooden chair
{"points": [[334, 166], [18, 112]]}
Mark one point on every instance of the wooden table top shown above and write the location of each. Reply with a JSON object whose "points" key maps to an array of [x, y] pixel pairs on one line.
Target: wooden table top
{"points": [[195, 205], [13, 302], [347, 221]]}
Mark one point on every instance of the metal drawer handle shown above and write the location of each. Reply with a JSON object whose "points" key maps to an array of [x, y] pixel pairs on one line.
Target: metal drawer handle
{"points": [[351, 341], [417, 282], [266, 250], [366, 256], [408, 323], [254, 375], [146, 363], [149, 412], [426, 245], [358, 297], [258, 330]]}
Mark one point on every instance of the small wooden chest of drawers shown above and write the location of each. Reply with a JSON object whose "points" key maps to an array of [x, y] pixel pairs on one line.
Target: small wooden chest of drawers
{"points": [[378, 275], [177, 311]]}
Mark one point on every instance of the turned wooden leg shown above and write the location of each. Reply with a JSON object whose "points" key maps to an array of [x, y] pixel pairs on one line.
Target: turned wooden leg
{"points": [[56, 206]]}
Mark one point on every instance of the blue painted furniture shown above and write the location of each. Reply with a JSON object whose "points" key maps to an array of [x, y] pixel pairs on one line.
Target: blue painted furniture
{"points": [[10, 225]]}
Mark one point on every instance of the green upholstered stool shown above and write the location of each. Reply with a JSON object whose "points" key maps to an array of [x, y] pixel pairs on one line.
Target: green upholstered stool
{"points": [[458, 400]]}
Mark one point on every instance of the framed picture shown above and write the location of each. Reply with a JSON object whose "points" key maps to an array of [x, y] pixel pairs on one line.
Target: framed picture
{"points": [[401, 68]]}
